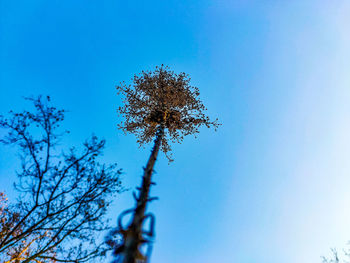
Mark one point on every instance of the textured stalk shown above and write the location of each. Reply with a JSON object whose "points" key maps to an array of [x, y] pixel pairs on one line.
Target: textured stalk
{"points": [[134, 237]]}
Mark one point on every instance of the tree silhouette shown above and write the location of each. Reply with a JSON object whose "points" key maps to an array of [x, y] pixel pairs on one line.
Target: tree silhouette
{"points": [[161, 106], [22, 251], [336, 258], [63, 196]]}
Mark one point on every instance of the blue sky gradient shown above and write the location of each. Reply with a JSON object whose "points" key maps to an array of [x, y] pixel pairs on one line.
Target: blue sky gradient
{"points": [[272, 185]]}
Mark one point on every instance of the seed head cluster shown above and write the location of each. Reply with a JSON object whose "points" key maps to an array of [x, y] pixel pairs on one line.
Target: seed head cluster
{"points": [[162, 99]]}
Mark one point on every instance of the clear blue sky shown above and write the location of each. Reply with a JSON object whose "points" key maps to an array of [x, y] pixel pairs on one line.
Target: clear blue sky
{"points": [[272, 185]]}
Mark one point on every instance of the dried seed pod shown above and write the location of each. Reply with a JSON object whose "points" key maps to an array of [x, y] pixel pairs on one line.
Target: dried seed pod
{"points": [[162, 97]]}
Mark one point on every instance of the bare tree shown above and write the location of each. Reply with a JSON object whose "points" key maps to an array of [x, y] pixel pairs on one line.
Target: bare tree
{"points": [[63, 196], [336, 258], [8, 219], [159, 106]]}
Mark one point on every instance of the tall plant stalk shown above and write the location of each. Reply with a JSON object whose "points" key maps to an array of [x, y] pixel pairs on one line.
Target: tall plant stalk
{"points": [[161, 106], [134, 237]]}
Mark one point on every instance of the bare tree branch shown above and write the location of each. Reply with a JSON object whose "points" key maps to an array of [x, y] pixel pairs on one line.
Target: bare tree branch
{"points": [[64, 196]]}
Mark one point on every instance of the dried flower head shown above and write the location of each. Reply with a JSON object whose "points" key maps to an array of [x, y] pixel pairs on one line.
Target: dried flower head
{"points": [[162, 99]]}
